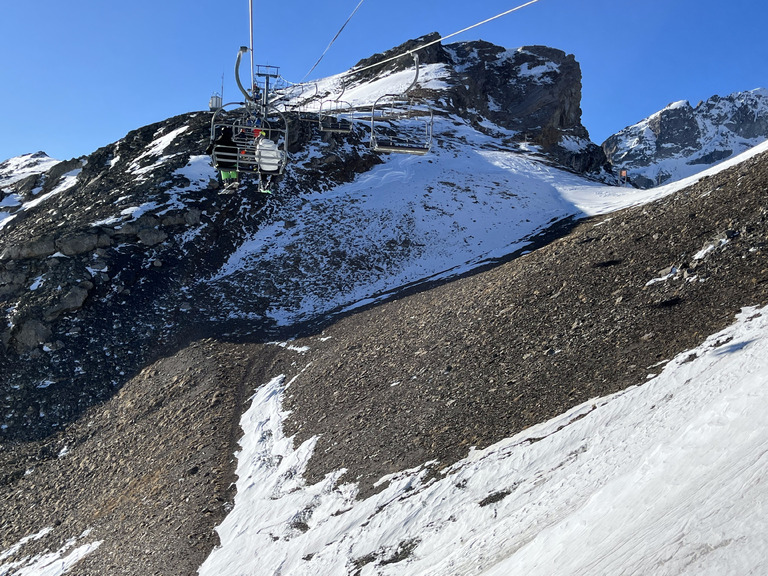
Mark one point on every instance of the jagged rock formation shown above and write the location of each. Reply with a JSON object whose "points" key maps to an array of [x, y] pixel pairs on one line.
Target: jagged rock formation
{"points": [[681, 140], [533, 91]]}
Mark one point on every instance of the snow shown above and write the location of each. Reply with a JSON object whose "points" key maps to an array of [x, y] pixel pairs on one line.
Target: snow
{"points": [[458, 207], [155, 151], [49, 563], [663, 478], [467, 206], [21, 167], [537, 73]]}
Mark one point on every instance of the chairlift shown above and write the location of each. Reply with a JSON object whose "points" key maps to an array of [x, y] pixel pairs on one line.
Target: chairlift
{"points": [[252, 138], [410, 122], [335, 115]]}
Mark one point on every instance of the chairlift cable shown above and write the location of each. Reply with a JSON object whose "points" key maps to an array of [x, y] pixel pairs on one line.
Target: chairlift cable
{"points": [[428, 44], [332, 41]]}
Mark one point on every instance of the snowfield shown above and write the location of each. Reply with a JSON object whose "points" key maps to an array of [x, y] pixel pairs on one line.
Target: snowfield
{"points": [[665, 478]]}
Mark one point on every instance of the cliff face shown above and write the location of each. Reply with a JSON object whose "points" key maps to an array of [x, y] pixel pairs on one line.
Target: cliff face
{"points": [[534, 92], [681, 140]]}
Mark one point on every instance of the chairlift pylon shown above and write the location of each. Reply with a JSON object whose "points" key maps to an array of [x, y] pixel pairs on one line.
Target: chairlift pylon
{"points": [[410, 122]]}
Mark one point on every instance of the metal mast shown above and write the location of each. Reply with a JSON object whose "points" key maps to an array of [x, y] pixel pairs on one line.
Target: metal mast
{"points": [[250, 21]]}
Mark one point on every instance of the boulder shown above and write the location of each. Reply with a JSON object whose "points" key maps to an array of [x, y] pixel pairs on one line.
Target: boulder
{"points": [[72, 300], [151, 236], [32, 334], [37, 248], [77, 244]]}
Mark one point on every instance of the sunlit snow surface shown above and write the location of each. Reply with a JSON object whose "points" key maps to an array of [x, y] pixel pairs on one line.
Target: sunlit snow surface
{"points": [[666, 478], [49, 563], [454, 209]]}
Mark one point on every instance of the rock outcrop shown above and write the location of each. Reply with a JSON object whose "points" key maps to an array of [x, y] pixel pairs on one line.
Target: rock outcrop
{"points": [[534, 92], [681, 140]]}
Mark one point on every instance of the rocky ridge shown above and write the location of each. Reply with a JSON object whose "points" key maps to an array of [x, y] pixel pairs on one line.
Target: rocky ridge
{"points": [[532, 91], [682, 140]]}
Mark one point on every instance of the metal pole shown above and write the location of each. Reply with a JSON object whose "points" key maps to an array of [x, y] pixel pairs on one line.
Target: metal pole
{"points": [[250, 20]]}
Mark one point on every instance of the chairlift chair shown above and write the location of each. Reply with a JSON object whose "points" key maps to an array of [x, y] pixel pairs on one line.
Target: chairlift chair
{"points": [[256, 132], [335, 115], [410, 122], [257, 145]]}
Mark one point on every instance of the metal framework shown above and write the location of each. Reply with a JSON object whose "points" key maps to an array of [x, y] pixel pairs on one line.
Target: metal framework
{"points": [[409, 119], [252, 138], [335, 115]]}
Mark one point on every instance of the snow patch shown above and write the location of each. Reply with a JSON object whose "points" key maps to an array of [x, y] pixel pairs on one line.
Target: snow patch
{"points": [[664, 478]]}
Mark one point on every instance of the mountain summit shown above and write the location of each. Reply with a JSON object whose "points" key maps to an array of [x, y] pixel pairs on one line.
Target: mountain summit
{"points": [[681, 140]]}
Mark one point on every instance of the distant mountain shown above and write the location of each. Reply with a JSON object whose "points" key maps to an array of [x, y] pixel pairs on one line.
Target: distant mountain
{"points": [[681, 140], [24, 166]]}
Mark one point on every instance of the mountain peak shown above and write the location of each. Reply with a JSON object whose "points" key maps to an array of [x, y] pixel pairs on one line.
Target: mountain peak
{"points": [[681, 140]]}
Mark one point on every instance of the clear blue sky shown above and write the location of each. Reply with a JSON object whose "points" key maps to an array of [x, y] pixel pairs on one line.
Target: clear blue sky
{"points": [[79, 74]]}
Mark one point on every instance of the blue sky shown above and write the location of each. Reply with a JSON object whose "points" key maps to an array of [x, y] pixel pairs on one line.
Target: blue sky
{"points": [[80, 74]]}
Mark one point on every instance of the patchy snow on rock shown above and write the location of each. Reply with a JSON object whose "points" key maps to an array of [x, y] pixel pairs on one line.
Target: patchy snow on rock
{"points": [[142, 165], [664, 478], [538, 73], [68, 181], [680, 140], [21, 167], [49, 563]]}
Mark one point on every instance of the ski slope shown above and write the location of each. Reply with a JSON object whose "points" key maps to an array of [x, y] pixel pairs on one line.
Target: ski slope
{"points": [[664, 478]]}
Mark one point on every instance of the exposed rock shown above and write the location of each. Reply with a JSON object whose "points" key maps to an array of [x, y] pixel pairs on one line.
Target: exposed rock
{"points": [[36, 248], [151, 236], [77, 244], [72, 300], [681, 140], [31, 334], [534, 91]]}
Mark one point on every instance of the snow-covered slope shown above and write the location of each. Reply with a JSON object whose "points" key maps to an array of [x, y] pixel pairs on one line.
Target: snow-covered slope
{"points": [[666, 478], [407, 220], [21, 167], [681, 140]]}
